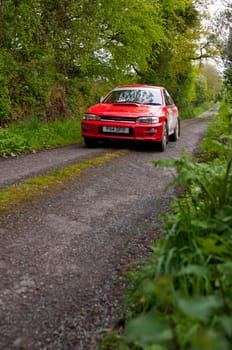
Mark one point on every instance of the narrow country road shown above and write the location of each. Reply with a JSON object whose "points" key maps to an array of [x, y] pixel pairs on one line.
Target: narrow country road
{"points": [[61, 258]]}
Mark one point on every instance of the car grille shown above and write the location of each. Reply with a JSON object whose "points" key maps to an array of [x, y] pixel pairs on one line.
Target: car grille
{"points": [[119, 119]]}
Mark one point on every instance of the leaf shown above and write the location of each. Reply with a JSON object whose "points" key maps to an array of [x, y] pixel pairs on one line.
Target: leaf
{"points": [[209, 340], [197, 270], [214, 244], [225, 322], [147, 329], [199, 307]]}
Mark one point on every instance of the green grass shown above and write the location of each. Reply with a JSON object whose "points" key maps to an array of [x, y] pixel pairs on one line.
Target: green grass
{"points": [[33, 135]]}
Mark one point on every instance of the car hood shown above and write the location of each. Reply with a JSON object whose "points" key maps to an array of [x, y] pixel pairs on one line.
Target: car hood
{"points": [[124, 109]]}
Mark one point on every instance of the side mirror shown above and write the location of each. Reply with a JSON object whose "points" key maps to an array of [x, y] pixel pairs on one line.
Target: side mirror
{"points": [[101, 99]]}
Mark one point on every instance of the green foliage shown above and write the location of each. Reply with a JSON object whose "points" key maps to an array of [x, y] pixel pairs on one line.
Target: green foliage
{"points": [[171, 65], [214, 82], [56, 57], [181, 298], [218, 134], [10, 144], [201, 90], [5, 76], [33, 134], [4, 104], [224, 26], [189, 111]]}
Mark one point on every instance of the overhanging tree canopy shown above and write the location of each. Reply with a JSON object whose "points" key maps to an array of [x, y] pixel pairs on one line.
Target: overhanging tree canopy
{"points": [[54, 52]]}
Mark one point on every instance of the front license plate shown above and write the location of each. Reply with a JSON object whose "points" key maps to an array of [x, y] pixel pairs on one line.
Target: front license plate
{"points": [[115, 129]]}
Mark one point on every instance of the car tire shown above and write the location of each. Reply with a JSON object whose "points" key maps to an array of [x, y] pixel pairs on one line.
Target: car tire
{"points": [[161, 146], [176, 135], [91, 142]]}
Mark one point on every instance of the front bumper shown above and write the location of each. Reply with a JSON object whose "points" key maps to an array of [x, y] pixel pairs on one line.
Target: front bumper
{"points": [[124, 131]]}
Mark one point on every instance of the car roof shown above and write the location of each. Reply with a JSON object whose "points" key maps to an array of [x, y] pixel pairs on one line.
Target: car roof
{"points": [[138, 86]]}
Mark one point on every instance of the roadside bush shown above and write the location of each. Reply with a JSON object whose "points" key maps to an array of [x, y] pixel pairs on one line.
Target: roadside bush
{"points": [[217, 141], [33, 134], [4, 105], [10, 144], [181, 298], [190, 111]]}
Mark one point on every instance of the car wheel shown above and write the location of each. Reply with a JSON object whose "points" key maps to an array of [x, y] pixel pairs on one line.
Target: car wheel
{"points": [[91, 142], [175, 136], [163, 143]]}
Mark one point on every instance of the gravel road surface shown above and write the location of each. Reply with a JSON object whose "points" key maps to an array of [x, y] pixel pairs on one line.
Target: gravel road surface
{"points": [[61, 259], [15, 170]]}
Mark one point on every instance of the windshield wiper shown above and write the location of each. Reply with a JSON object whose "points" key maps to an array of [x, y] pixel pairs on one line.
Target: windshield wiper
{"points": [[153, 103], [127, 103]]}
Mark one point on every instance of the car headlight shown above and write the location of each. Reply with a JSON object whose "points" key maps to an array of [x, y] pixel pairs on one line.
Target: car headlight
{"points": [[91, 117], [148, 120]]}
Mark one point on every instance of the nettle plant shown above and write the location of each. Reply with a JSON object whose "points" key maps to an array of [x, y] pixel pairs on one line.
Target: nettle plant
{"points": [[182, 299], [10, 144]]}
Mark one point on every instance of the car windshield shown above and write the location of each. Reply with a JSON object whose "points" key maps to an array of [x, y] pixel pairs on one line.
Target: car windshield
{"points": [[140, 96]]}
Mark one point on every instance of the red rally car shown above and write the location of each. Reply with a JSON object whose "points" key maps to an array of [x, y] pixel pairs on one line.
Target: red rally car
{"points": [[133, 112]]}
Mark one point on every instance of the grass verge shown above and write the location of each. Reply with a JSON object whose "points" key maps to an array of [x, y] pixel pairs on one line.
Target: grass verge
{"points": [[33, 135]]}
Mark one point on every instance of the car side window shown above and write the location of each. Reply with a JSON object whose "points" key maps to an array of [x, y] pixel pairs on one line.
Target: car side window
{"points": [[168, 99]]}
